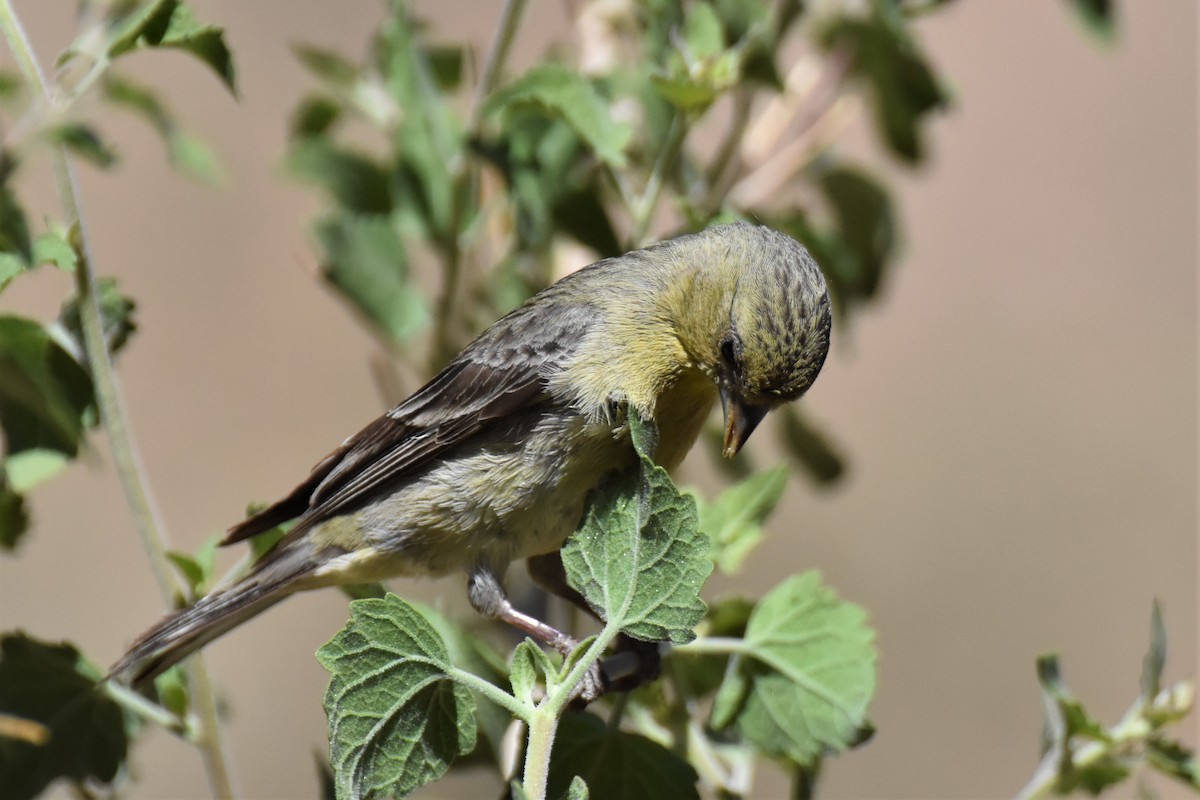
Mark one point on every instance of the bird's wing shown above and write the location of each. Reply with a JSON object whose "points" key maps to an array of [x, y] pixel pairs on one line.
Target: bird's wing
{"points": [[501, 374]]}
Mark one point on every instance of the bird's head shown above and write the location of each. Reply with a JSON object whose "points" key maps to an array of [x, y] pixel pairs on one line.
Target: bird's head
{"points": [[770, 335]]}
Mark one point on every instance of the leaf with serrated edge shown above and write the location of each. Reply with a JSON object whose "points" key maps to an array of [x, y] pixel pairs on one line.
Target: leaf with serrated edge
{"points": [[640, 559], [396, 719], [804, 676]]}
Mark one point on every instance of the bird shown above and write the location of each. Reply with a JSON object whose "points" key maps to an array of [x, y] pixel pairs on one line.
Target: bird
{"points": [[492, 460]]}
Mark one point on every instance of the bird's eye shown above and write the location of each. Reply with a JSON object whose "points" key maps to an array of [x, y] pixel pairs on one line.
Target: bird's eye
{"points": [[729, 351]]}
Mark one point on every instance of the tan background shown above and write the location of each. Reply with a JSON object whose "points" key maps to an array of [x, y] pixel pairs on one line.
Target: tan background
{"points": [[1020, 410]]}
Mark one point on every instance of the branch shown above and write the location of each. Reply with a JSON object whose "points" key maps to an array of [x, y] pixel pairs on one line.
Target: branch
{"points": [[125, 455]]}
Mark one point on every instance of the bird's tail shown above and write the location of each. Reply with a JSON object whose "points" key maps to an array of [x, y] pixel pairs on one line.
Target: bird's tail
{"points": [[180, 634]]}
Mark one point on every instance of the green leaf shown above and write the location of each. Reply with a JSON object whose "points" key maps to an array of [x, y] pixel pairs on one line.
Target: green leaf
{"points": [[806, 671], [326, 65], [1066, 716], [570, 96], [1173, 759], [54, 248], [1098, 17], [28, 468], [170, 23], [83, 142], [429, 138], [578, 790], [639, 558], [866, 223], [186, 153], [14, 229], [810, 447], [698, 674], [354, 181], [76, 732], [192, 156], [44, 392], [365, 261], [198, 570], [734, 520], [315, 116], [472, 653], [703, 32], [1156, 656], [529, 666], [14, 519], [116, 315], [446, 64], [10, 267], [904, 87], [396, 719], [614, 763], [172, 689], [11, 85]]}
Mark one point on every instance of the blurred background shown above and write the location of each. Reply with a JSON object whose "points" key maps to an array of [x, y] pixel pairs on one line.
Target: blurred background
{"points": [[1019, 412]]}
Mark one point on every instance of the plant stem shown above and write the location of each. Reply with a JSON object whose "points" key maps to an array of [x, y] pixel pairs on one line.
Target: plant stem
{"points": [[126, 459], [506, 33], [208, 738], [146, 709], [543, 726], [643, 210], [466, 183], [1133, 728]]}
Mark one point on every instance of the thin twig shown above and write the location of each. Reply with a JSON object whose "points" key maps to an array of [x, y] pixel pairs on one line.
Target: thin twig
{"points": [[645, 206], [465, 179], [126, 459]]}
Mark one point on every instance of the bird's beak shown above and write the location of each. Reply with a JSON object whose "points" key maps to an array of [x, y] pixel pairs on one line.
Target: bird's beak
{"points": [[741, 418]]}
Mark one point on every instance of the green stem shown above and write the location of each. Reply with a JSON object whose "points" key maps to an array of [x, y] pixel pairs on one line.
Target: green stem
{"points": [[494, 693], [543, 726], [713, 644], [506, 33], [131, 700], [208, 738], [1132, 728], [643, 210], [125, 456]]}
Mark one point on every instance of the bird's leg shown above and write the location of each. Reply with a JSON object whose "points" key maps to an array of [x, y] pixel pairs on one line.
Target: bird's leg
{"points": [[488, 597], [621, 673]]}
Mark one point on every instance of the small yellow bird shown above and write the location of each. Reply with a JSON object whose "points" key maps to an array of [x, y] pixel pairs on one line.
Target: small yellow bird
{"points": [[492, 459]]}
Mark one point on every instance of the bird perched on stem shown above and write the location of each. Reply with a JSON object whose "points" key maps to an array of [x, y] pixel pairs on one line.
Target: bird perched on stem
{"points": [[492, 460]]}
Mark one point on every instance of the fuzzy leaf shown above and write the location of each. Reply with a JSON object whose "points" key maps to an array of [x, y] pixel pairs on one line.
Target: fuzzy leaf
{"points": [[639, 558], [801, 685], [396, 719]]}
